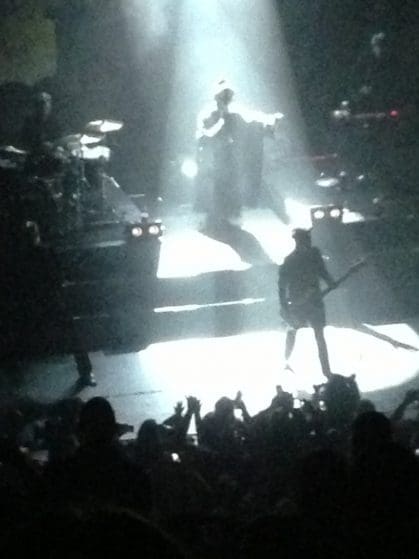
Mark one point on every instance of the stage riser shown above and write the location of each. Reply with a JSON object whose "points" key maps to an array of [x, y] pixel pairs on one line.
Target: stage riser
{"points": [[110, 292], [122, 260]]}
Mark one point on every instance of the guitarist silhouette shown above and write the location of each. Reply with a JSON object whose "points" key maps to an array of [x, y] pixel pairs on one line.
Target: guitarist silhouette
{"points": [[300, 295]]}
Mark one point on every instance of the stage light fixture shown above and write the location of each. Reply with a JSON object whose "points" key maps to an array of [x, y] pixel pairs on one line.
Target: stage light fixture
{"points": [[137, 231], [336, 213], [318, 214], [330, 213], [154, 230], [144, 229]]}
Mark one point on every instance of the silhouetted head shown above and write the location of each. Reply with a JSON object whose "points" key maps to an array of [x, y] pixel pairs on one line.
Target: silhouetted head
{"points": [[223, 94], [97, 422], [302, 238], [341, 397], [224, 407], [42, 103], [282, 401], [148, 436], [365, 406]]}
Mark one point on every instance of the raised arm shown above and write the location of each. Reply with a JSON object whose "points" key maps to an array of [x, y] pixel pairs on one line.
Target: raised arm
{"points": [[209, 124], [410, 397]]}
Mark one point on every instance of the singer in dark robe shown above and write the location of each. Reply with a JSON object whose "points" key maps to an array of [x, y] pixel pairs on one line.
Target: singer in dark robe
{"points": [[231, 138]]}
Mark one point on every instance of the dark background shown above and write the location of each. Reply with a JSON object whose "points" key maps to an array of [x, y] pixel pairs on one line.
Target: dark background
{"points": [[98, 63]]}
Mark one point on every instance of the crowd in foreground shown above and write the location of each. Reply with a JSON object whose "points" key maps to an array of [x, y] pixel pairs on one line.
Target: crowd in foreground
{"points": [[332, 477]]}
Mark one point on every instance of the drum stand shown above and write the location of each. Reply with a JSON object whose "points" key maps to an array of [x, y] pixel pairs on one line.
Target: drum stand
{"points": [[77, 184]]}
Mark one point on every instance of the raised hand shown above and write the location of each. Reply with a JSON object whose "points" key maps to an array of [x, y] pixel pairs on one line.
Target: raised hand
{"points": [[179, 408], [194, 405]]}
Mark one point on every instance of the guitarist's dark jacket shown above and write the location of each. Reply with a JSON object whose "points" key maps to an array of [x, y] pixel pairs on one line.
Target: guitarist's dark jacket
{"points": [[300, 275]]}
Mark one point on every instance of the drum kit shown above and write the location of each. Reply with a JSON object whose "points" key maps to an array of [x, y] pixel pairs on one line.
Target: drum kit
{"points": [[63, 183]]}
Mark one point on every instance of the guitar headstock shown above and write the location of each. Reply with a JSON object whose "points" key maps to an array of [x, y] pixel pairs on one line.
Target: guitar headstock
{"points": [[352, 270]]}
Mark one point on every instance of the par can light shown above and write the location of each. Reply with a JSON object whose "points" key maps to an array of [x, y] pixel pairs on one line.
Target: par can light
{"points": [[154, 230], [330, 213], [144, 229], [137, 231]]}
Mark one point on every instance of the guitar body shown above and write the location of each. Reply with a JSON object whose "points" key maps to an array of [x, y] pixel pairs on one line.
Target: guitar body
{"points": [[309, 310]]}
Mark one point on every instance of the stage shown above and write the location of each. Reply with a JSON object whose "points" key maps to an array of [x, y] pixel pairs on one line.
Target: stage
{"points": [[215, 328]]}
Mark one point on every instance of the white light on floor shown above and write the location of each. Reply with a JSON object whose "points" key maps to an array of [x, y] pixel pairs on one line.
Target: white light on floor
{"points": [[253, 363]]}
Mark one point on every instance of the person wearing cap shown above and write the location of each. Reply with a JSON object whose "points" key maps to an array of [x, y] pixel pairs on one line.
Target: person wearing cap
{"points": [[300, 296]]}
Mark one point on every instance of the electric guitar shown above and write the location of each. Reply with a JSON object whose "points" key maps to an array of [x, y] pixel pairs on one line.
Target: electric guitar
{"points": [[295, 309]]}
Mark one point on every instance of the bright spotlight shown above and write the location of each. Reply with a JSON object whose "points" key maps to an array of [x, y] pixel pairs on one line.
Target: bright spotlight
{"points": [[137, 231], [145, 229], [326, 214], [335, 213], [189, 168], [154, 230], [319, 214], [327, 182]]}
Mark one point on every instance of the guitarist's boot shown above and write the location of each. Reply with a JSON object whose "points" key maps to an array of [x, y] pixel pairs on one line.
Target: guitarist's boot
{"points": [[289, 346]]}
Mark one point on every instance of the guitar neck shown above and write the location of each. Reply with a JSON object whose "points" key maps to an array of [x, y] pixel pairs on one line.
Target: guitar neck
{"points": [[343, 278], [327, 290]]}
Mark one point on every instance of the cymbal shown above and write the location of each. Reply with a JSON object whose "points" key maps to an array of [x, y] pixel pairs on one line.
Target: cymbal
{"points": [[96, 153], [89, 139], [327, 182], [12, 150], [104, 126], [76, 141]]}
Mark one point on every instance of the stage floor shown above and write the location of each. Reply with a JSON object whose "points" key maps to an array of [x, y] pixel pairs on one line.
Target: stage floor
{"points": [[214, 363], [148, 383]]}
